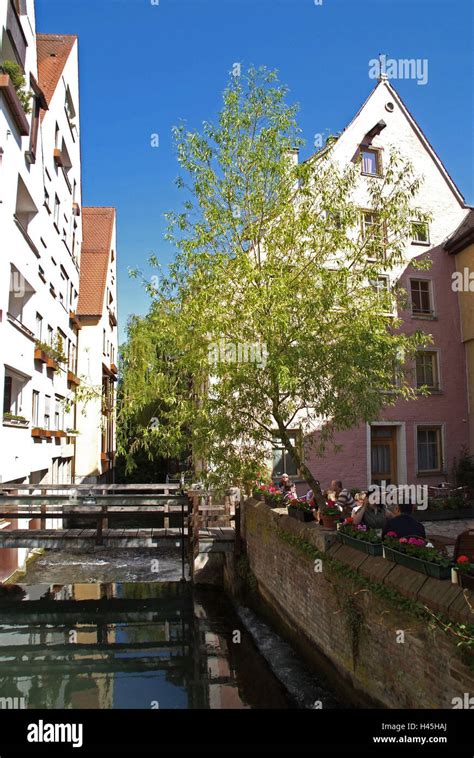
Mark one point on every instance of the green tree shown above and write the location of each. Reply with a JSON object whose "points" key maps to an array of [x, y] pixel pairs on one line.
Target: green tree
{"points": [[271, 306]]}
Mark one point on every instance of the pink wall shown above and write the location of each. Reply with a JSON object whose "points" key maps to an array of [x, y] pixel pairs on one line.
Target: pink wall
{"points": [[449, 407]]}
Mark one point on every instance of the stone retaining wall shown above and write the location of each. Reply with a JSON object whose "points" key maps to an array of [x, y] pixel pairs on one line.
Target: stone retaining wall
{"points": [[365, 626]]}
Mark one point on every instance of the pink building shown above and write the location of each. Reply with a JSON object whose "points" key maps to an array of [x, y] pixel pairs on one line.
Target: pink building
{"points": [[416, 441]]}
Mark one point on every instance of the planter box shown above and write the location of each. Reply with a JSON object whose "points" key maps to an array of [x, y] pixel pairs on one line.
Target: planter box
{"points": [[466, 581], [51, 363], [370, 548], [271, 503], [16, 108], [40, 355], [299, 514], [416, 564], [259, 496], [73, 379]]}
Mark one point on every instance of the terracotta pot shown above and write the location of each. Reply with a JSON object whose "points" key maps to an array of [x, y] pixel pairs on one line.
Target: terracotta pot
{"points": [[329, 522]]}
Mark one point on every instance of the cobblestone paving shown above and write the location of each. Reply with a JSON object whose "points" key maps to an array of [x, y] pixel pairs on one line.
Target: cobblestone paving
{"points": [[448, 528]]}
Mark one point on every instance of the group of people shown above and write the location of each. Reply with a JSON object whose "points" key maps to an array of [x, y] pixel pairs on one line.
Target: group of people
{"points": [[362, 509]]}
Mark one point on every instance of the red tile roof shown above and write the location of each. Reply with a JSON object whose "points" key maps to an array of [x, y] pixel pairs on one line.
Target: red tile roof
{"points": [[53, 52], [97, 229]]}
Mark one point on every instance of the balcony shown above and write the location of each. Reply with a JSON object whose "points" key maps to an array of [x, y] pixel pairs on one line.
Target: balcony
{"points": [[74, 321], [57, 157], [112, 317], [114, 369], [16, 109]]}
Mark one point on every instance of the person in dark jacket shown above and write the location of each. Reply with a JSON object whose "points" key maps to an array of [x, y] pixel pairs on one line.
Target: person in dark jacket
{"points": [[403, 524]]}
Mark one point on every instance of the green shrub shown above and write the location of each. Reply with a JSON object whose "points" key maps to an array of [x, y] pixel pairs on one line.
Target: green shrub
{"points": [[15, 73]]}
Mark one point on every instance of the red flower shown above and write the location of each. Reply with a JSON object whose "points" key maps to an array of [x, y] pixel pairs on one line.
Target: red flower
{"points": [[349, 520], [463, 559]]}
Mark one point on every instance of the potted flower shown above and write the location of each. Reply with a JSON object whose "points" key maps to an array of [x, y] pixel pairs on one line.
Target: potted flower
{"points": [[273, 497], [259, 490], [301, 510], [463, 572], [417, 554], [329, 516], [359, 537]]}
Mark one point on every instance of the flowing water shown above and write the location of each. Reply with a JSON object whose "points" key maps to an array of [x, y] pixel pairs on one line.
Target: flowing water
{"points": [[88, 630]]}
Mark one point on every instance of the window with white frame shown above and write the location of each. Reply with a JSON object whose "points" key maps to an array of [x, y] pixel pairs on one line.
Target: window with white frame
{"points": [[421, 297], [430, 449], [427, 369]]}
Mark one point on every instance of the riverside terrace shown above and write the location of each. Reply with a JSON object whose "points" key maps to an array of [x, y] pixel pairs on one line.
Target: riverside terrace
{"points": [[401, 638]]}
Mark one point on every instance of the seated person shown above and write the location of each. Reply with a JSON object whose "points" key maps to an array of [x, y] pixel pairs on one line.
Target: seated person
{"points": [[371, 514], [287, 488], [344, 500], [403, 524]]}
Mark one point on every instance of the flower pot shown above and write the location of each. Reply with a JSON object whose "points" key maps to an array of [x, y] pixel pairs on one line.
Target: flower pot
{"points": [[465, 581], [417, 564], [259, 496], [272, 503], [370, 548], [299, 514], [328, 522]]}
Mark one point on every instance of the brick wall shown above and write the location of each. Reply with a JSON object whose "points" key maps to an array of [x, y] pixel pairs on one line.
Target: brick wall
{"points": [[351, 627]]}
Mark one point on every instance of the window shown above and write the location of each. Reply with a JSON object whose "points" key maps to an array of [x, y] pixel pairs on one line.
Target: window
{"points": [[25, 209], [373, 234], [427, 369], [50, 335], [35, 409], [57, 414], [57, 208], [39, 327], [7, 394], [46, 200], [420, 233], [421, 297], [13, 388], [19, 296], [283, 463], [370, 164], [429, 447], [104, 341], [47, 411]]}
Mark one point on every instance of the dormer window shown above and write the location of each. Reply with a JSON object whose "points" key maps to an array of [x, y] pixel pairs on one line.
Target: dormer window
{"points": [[370, 162]]}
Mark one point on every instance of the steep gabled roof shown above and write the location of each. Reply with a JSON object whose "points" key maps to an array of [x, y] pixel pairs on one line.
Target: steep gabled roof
{"points": [[97, 230], [53, 51], [414, 125]]}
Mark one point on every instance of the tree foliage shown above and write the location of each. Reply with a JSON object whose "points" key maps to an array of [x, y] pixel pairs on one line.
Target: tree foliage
{"points": [[270, 317]]}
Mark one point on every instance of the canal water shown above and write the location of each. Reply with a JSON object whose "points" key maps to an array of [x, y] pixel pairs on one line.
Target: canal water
{"points": [[118, 630]]}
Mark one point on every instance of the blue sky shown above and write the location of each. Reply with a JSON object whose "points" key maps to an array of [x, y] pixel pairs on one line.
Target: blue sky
{"points": [[144, 67]]}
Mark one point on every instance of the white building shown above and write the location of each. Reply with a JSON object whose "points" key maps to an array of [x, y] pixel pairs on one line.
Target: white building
{"points": [[97, 312], [40, 245]]}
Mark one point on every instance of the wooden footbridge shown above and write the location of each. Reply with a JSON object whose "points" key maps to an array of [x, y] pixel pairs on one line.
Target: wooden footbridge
{"points": [[81, 516]]}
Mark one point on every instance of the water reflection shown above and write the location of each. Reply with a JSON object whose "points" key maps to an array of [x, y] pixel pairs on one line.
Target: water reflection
{"points": [[137, 645]]}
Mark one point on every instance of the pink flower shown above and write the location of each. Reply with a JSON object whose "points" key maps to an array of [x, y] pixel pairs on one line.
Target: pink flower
{"points": [[416, 541], [361, 527], [403, 540], [391, 534]]}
